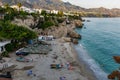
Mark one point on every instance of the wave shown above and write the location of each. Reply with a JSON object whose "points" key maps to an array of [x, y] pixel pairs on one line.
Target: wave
{"points": [[83, 55]]}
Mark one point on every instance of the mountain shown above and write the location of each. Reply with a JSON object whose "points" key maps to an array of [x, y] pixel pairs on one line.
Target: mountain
{"points": [[64, 6], [111, 12], [46, 4]]}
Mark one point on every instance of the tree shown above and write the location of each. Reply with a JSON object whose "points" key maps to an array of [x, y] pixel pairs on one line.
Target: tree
{"points": [[11, 31], [19, 5], [60, 13], [44, 13], [6, 5]]}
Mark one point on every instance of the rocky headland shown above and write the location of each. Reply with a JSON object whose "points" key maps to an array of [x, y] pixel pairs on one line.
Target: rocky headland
{"points": [[62, 30]]}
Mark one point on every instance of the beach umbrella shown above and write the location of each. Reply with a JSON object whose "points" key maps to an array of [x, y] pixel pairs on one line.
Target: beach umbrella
{"points": [[117, 59]]}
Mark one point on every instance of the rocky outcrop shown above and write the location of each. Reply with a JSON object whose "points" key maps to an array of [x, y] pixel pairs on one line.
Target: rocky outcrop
{"points": [[73, 34], [66, 31], [117, 59], [67, 39], [75, 41], [78, 23], [29, 22]]}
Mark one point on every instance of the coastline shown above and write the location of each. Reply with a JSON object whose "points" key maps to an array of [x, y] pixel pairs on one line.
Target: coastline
{"points": [[85, 70], [65, 53]]}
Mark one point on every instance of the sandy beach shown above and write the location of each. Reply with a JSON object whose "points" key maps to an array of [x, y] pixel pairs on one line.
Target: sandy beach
{"points": [[41, 64]]}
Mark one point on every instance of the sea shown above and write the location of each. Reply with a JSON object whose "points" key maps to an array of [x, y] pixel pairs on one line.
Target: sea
{"points": [[100, 42]]}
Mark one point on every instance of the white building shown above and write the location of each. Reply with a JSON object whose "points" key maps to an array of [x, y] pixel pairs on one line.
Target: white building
{"points": [[38, 10], [29, 10], [45, 38], [15, 7], [48, 11], [54, 11]]}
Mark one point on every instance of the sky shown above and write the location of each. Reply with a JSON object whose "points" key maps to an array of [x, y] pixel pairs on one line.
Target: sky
{"points": [[96, 3]]}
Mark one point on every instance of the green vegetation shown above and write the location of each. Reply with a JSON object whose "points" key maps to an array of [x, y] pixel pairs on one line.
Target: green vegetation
{"points": [[9, 47], [18, 34], [19, 5], [60, 13], [11, 31], [5, 54], [46, 24], [44, 13]]}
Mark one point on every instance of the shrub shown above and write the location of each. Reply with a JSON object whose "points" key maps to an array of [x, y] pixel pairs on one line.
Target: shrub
{"points": [[5, 54], [11, 31], [47, 24], [9, 47], [60, 20]]}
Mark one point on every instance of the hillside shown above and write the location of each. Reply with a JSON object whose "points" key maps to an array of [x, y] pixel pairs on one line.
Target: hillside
{"points": [[112, 12], [64, 6], [46, 4]]}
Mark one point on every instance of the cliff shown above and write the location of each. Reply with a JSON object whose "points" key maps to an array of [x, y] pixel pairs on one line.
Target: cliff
{"points": [[29, 22]]}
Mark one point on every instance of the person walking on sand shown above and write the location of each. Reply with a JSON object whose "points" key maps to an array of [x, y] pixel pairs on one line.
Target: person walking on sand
{"points": [[67, 65], [62, 78], [29, 72]]}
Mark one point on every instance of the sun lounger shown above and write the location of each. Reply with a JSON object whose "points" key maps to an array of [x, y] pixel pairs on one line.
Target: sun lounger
{"points": [[55, 66], [20, 59]]}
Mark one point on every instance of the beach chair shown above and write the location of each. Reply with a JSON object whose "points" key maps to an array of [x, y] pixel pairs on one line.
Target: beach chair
{"points": [[21, 59], [55, 66]]}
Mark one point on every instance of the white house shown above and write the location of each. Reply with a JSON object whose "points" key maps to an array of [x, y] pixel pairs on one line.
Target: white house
{"points": [[46, 38], [29, 10], [15, 6], [2, 45], [38, 10], [48, 11], [54, 11]]}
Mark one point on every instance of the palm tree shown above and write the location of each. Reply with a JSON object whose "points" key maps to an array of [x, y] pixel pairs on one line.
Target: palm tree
{"points": [[6, 5], [19, 5]]}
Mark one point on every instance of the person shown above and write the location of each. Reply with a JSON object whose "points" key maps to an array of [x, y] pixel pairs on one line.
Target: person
{"points": [[29, 72], [62, 78], [67, 65]]}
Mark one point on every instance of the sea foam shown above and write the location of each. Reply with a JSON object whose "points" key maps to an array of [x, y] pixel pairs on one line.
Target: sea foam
{"points": [[83, 55]]}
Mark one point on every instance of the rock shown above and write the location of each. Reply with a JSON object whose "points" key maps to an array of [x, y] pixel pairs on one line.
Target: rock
{"points": [[75, 41], [73, 34], [78, 23], [117, 59], [28, 22], [67, 39]]}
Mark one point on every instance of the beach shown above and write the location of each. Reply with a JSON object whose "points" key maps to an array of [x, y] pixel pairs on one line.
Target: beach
{"points": [[41, 64], [60, 52]]}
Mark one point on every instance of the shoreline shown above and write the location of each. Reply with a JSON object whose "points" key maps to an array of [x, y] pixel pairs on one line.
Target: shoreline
{"points": [[85, 70]]}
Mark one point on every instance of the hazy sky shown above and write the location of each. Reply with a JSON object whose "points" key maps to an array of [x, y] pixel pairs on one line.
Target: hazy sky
{"points": [[96, 3]]}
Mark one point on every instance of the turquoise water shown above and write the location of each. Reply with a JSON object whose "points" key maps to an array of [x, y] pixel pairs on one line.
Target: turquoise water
{"points": [[100, 42]]}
